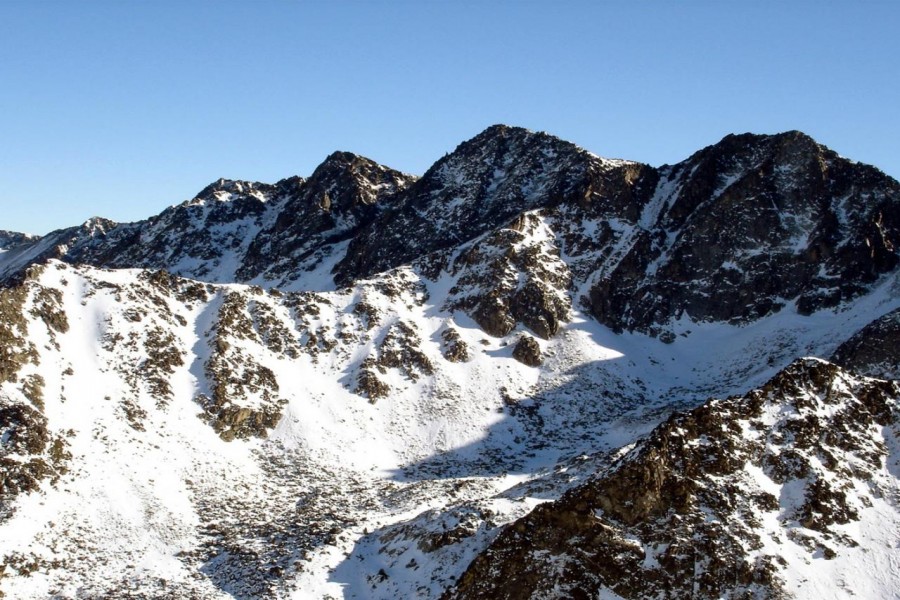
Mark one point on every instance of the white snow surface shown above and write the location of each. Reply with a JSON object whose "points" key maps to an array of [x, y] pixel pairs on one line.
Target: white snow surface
{"points": [[416, 483]]}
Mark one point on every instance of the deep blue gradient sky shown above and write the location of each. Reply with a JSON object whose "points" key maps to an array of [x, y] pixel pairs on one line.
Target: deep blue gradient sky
{"points": [[119, 109]]}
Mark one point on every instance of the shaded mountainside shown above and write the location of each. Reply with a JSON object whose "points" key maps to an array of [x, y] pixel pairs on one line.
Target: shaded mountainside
{"points": [[875, 349], [743, 228], [344, 194], [717, 502], [9, 240], [359, 383]]}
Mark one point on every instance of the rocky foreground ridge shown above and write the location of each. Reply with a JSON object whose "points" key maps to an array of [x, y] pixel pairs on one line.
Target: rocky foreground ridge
{"points": [[523, 374], [715, 502]]}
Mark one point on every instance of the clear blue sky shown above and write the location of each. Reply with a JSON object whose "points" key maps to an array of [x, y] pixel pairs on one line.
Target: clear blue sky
{"points": [[121, 108]]}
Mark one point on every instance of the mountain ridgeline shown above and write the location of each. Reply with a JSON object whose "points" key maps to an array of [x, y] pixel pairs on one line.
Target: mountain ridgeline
{"points": [[735, 232], [530, 372]]}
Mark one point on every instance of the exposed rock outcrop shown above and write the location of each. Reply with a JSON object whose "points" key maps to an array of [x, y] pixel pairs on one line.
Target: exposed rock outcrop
{"points": [[695, 510], [875, 349], [527, 351]]}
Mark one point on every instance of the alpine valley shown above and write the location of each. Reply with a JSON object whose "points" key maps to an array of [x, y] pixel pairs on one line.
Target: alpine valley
{"points": [[529, 373]]}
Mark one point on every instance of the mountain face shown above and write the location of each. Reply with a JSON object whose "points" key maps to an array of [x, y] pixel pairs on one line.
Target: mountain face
{"points": [[744, 227], [529, 373], [487, 181], [344, 194]]}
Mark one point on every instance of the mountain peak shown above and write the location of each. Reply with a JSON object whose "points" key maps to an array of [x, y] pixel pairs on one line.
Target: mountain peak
{"points": [[344, 157], [782, 146], [222, 185], [501, 132], [344, 193], [339, 160], [501, 129], [97, 225], [350, 167], [483, 184], [349, 179]]}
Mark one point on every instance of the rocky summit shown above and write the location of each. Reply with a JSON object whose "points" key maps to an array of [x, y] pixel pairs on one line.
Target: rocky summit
{"points": [[530, 372]]}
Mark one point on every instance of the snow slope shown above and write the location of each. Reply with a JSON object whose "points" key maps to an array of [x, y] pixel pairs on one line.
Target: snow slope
{"points": [[466, 447]]}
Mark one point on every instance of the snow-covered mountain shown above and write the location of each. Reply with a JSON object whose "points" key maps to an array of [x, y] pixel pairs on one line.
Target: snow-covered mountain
{"points": [[363, 384]]}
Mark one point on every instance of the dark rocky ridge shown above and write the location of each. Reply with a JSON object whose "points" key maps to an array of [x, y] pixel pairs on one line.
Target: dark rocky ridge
{"points": [[12, 239], [680, 516], [875, 349], [748, 225], [343, 194], [232, 230], [482, 185], [737, 231]]}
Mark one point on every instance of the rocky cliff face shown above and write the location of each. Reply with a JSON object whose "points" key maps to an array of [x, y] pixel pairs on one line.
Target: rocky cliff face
{"points": [[743, 228], [344, 194], [484, 184], [360, 382], [875, 349]]}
